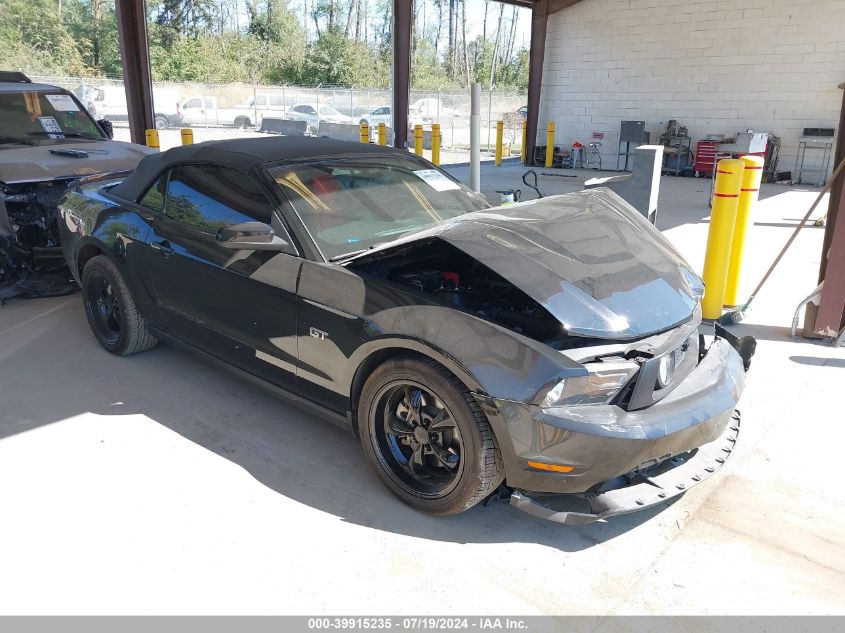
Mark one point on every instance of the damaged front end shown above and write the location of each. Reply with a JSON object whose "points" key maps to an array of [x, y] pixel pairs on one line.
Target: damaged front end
{"points": [[662, 450], [639, 407], [31, 259]]}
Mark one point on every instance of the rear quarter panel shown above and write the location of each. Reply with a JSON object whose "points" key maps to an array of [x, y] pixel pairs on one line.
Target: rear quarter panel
{"points": [[92, 224]]}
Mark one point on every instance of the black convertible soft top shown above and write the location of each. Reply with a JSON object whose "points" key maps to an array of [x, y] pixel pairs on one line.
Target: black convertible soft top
{"points": [[242, 155]]}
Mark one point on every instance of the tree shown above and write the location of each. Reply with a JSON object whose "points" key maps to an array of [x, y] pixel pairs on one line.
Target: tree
{"points": [[33, 27], [93, 27], [334, 59], [269, 41]]}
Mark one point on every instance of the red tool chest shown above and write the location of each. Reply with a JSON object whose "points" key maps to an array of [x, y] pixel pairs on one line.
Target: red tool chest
{"points": [[705, 157]]}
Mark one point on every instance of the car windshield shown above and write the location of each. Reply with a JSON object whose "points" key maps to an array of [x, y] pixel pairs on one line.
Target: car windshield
{"points": [[35, 116], [352, 205]]}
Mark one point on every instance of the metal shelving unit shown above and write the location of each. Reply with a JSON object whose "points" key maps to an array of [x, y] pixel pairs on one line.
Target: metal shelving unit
{"points": [[820, 142]]}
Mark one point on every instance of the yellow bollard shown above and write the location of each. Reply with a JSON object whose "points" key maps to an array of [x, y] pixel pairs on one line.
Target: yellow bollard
{"points": [[500, 130], [365, 133], [418, 140], [550, 143], [435, 143], [752, 175], [382, 134], [187, 136], [152, 138], [524, 141], [722, 220]]}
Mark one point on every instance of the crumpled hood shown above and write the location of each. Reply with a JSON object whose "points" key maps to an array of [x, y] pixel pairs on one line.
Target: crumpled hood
{"points": [[588, 257], [36, 163]]}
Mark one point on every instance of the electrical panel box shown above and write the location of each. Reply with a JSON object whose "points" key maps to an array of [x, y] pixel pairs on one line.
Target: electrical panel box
{"points": [[633, 132]]}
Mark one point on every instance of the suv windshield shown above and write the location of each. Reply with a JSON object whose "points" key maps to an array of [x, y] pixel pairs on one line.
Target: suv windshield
{"points": [[36, 116], [351, 205]]}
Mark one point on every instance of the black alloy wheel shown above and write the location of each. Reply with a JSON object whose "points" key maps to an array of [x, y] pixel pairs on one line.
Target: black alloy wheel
{"points": [[427, 436], [111, 311], [419, 442], [103, 307]]}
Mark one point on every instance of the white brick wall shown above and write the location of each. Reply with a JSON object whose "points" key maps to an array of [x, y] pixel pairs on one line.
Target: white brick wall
{"points": [[717, 66]]}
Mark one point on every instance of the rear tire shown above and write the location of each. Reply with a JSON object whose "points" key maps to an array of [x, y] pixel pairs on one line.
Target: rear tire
{"points": [[111, 311], [427, 437]]}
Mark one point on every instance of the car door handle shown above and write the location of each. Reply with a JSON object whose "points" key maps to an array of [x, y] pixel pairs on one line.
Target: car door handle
{"points": [[163, 247]]}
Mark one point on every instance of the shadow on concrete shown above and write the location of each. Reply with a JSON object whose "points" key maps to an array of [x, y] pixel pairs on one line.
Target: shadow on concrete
{"points": [[57, 371], [774, 333], [762, 332], [818, 361]]}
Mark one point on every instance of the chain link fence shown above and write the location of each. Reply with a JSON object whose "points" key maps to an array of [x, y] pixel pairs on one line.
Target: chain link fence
{"points": [[243, 105]]}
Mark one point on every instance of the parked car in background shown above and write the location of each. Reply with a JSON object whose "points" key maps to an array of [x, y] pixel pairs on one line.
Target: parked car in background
{"points": [[261, 105], [200, 110], [547, 352], [433, 109], [314, 115], [47, 139], [522, 112], [382, 115], [109, 103]]}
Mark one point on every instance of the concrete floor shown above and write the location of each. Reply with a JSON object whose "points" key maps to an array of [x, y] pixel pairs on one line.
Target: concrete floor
{"points": [[158, 484]]}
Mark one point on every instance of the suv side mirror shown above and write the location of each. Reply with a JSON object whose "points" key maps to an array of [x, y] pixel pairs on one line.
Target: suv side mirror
{"points": [[254, 236], [106, 127]]}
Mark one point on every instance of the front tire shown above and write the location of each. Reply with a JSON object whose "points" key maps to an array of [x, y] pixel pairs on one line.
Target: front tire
{"points": [[162, 122], [111, 311], [427, 437]]}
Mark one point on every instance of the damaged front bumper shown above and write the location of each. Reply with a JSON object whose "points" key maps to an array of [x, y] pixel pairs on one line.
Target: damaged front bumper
{"points": [[643, 490], [620, 461]]}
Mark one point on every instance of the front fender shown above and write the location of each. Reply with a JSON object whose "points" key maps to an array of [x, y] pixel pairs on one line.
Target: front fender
{"points": [[488, 358]]}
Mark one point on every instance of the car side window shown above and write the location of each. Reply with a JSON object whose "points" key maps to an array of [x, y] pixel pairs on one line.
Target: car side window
{"points": [[309, 110], [154, 198], [209, 197], [192, 103]]}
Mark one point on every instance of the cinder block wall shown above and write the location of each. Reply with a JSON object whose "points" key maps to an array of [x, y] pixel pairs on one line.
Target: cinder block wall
{"points": [[720, 66]]}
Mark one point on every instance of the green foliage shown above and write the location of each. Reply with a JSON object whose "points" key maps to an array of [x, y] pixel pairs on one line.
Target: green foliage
{"points": [[252, 40], [34, 27], [337, 60]]}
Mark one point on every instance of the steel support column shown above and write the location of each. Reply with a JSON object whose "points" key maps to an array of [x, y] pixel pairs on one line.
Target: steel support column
{"points": [[401, 70], [135, 59], [539, 23], [830, 317]]}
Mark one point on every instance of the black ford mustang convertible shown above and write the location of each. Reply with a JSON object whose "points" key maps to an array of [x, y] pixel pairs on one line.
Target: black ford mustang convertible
{"points": [[546, 352]]}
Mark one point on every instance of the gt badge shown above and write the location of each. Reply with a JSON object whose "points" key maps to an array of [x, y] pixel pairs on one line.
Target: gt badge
{"points": [[318, 334]]}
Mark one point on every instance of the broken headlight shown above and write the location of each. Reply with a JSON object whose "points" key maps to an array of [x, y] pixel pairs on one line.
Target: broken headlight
{"points": [[603, 381]]}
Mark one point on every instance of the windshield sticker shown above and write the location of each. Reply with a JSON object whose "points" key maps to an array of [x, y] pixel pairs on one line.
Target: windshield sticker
{"points": [[436, 180], [62, 103], [51, 126]]}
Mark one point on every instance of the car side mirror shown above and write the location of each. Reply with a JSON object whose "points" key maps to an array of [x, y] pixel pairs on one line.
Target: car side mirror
{"points": [[106, 127], [255, 236]]}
